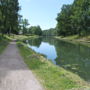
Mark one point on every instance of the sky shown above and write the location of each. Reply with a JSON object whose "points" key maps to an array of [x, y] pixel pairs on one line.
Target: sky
{"points": [[42, 12]]}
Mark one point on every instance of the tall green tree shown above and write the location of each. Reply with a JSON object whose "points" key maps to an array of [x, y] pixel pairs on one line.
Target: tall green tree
{"points": [[74, 19], [64, 21], [35, 30], [24, 24], [9, 16]]}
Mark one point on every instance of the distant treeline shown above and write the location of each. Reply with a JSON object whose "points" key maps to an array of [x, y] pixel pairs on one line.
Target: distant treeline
{"points": [[50, 32], [9, 16], [25, 29], [74, 19]]}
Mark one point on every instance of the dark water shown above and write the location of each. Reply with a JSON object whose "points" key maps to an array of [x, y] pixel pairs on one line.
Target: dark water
{"points": [[73, 57]]}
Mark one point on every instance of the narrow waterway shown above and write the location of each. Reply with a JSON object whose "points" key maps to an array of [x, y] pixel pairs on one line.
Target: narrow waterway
{"points": [[73, 57]]}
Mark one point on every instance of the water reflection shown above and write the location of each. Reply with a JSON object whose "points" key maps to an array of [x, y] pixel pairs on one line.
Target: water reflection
{"points": [[46, 49], [73, 57], [35, 42]]}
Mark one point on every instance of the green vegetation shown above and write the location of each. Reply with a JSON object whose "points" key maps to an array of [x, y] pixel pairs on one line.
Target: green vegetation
{"points": [[52, 77], [9, 16], [74, 19], [50, 32], [76, 39], [23, 26], [32, 30], [35, 30], [3, 43], [21, 37], [12, 22]]}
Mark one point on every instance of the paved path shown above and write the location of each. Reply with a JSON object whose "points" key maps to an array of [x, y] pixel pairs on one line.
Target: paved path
{"points": [[14, 74]]}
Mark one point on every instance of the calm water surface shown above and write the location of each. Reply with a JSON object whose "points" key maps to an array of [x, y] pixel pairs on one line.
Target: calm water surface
{"points": [[73, 57]]}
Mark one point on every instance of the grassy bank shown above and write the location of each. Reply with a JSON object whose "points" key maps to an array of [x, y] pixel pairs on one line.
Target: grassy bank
{"points": [[76, 39], [3, 43], [21, 37], [50, 76]]}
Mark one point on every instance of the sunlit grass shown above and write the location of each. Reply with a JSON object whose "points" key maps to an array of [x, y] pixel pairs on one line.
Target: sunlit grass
{"points": [[20, 37]]}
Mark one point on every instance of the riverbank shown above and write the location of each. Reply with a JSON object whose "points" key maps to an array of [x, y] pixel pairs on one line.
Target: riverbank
{"points": [[76, 39], [3, 43], [51, 76]]}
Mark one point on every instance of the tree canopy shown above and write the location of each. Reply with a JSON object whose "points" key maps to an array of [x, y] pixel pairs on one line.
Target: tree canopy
{"points": [[74, 19], [9, 16], [50, 32], [35, 30]]}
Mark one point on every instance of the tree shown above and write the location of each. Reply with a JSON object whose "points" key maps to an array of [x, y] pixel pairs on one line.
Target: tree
{"points": [[50, 32], [24, 24], [74, 19], [9, 16], [35, 30], [64, 21]]}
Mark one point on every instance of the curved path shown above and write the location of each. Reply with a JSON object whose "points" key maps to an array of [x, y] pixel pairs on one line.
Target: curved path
{"points": [[14, 74]]}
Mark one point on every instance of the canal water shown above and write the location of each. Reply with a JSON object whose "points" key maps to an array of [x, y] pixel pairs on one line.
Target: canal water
{"points": [[72, 57]]}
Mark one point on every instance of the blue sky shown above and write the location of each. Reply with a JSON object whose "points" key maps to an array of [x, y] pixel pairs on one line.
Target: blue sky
{"points": [[42, 12]]}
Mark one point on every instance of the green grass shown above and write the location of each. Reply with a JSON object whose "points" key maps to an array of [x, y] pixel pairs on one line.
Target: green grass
{"points": [[3, 43], [21, 37], [76, 39], [50, 76]]}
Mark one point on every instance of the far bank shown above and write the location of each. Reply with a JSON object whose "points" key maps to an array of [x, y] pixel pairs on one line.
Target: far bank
{"points": [[85, 40]]}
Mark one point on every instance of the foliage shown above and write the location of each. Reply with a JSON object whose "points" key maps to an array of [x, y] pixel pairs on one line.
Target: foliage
{"points": [[35, 30], [9, 16], [24, 23], [74, 19], [50, 32]]}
